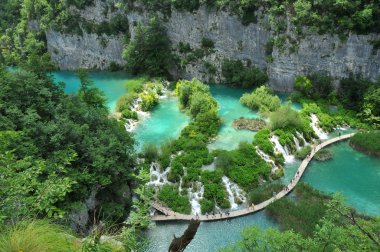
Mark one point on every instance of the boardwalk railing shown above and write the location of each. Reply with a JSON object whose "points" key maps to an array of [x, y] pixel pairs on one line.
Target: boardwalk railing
{"points": [[169, 214]]}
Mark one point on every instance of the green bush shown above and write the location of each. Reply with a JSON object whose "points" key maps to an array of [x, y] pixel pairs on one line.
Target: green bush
{"points": [[368, 142], [261, 98], [207, 43], [302, 153], [128, 114], [149, 52], [236, 74], [285, 117], [36, 236], [207, 206], [150, 152], [169, 194], [261, 140], [148, 100]]}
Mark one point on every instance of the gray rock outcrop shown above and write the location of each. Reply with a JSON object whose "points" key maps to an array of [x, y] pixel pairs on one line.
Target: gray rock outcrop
{"points": [[232, 40]]}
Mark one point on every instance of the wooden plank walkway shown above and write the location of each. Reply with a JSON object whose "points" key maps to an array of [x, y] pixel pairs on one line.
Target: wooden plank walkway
{"points": [[169, 215]]}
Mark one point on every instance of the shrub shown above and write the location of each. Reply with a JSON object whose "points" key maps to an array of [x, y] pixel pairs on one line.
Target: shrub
{"points": [[36, 236], [262, 99], [302, 153], [368, 142], [236, 74], [149, 52], [207, 43], [324, 154], [128, 114], [169, 194], [149, 100], [284, 117], [261, 140], [207, 206], [150, 152]]}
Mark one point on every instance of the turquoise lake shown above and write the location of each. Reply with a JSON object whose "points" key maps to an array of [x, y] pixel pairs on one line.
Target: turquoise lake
{"points": [[165, 122], [354, 174], [111, 83]]}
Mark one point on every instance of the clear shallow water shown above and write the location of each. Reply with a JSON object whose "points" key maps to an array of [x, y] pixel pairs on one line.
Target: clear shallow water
{"points": [[230, 109], [111, 83], [353, 173], [210, 236], [165, 122]]}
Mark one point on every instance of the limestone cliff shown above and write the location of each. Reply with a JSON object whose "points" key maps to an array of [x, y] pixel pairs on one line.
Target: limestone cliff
{"points": [[232, 40]]}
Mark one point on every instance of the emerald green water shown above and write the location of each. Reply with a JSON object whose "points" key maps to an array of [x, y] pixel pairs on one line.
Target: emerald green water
{"points": [[353, 173], [210, 236], [111, 83], [165, 122], [230, 109]]}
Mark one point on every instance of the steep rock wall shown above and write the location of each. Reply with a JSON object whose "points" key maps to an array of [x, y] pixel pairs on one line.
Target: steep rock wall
{"points": [[232, 40], [89, 51]]}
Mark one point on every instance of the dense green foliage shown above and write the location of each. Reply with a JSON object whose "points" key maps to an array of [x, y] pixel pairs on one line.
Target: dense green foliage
{"points": [[338, 228], [368, 142], [36, 236], [261, 139], [302, 214], [302, 153], [323, 16], [264, 192], [149, 52], [285, 117], [239, 75], [316, 86], [171, 197], [261, 98], [244, 166], [66, 144]]}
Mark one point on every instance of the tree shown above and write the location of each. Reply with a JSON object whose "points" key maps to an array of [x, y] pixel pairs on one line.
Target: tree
{"points": [[261, 98], [89, 94], [149, 52], [285, 117], [303, 84], [341, 229], [371, 107]]}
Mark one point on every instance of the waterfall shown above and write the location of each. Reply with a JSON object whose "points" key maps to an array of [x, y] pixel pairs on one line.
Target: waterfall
{"points": [[280, 149], [267, 159], [314, 124], [180, 185], [300, 135], [233, 191], [158, 178], [297, 142], [195, 198]]}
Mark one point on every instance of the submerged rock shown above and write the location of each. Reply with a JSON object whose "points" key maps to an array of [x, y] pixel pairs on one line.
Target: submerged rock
{"points": [[249, 124]]}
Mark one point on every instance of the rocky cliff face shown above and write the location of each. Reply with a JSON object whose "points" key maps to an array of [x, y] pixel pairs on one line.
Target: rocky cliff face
{"points": [[232, 40]]}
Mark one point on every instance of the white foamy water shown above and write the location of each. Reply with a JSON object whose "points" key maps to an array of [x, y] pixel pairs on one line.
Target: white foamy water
{"points": [[158, 178], [283, 150], [314, 124], [233, 191], [297, 142], [267, 159], [195, 198]]}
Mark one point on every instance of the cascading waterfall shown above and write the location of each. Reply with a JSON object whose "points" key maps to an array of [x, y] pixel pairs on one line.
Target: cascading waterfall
{"points": [[131, 124], [300, 135], [297, 142], [280, 149], [314, 124], [267, 159], [234, 192], [158, 178], [195, 198]]}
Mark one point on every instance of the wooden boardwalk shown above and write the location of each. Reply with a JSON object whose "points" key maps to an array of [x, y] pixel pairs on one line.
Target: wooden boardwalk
{"points": [[169, 215]]}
